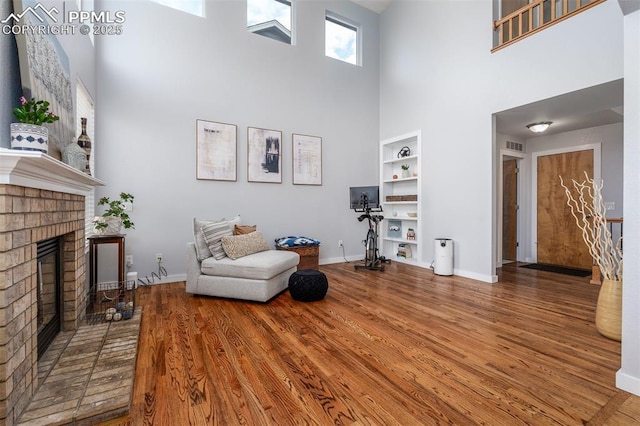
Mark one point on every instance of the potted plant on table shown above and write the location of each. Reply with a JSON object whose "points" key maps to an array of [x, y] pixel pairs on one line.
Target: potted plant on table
{"points": [[30, 134], [115, 217]]}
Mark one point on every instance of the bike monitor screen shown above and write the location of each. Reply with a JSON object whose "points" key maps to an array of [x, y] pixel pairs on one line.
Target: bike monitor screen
{"points": [[361, 197]]}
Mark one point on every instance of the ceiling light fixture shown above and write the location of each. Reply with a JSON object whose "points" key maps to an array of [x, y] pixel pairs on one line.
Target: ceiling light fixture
{"points": [[539, 127]]}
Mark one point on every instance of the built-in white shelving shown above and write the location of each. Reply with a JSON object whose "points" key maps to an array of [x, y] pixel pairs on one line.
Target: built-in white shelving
{"points": [[401, 216]]}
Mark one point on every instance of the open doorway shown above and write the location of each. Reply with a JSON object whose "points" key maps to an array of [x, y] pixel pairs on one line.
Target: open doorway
{"points": [[585, 117], [510, 208], [510, 224]]}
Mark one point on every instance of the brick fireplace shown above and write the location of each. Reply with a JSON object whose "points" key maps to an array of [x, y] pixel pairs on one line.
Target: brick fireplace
{"points": [[40, 198]]}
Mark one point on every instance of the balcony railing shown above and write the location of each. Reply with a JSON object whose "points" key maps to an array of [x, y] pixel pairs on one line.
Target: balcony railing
{"points": [[535, 16]]}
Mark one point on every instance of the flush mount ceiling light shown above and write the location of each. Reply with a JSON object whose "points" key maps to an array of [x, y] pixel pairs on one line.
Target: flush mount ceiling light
{"points": [[539, 127]]}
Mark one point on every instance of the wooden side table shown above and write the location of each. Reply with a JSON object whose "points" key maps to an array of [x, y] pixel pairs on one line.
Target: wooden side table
{"points": [[94, 242]]}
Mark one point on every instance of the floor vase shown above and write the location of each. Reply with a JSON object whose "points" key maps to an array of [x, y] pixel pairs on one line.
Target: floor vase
{"points": [[29, 137], [609, 309]]}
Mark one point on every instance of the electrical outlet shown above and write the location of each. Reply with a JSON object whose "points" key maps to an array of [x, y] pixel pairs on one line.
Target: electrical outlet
{"points": [[158, 257], [610, 205], [340, 243], [129, 259]]}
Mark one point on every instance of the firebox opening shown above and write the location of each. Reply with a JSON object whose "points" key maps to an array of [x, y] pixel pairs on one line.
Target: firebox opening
{"points": [[49, 292]]}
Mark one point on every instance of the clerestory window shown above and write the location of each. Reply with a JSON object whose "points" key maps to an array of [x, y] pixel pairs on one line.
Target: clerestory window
{"points": [[271, 19], [341, 39]]}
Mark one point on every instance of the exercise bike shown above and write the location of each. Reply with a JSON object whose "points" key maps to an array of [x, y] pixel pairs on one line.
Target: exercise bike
{"points": [[371, 259]]}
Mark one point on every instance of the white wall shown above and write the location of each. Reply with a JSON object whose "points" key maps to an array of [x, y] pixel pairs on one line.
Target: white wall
{"points": [[628, 378], [448, 83], [169, 69]]}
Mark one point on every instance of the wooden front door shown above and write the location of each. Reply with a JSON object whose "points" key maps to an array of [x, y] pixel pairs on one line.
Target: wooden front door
{"points": [[559, 238], [509, 209]]}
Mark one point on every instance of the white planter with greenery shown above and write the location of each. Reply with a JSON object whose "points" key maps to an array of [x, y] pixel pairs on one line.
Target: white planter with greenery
{"points": [[29, 137], [107, 225], [30, 134], [115, 217]]}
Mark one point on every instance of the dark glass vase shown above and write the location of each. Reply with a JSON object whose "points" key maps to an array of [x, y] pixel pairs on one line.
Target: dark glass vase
{"points": [[85, 143]]}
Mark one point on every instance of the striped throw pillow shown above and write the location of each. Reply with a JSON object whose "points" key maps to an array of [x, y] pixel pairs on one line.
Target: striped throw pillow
{"points": [[213, 233]]}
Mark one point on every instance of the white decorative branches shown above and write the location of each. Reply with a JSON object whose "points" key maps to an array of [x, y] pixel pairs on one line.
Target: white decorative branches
{"points": [[588, 209]]}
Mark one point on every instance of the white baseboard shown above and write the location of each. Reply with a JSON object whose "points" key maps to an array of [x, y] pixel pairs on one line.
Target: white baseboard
{"points": [[149, 280], [627, 382], [491, 279], [330, 260]]}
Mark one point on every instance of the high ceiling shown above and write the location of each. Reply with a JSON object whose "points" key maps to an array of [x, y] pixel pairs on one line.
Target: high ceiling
{"points": [[377, 6], [591, 107]]}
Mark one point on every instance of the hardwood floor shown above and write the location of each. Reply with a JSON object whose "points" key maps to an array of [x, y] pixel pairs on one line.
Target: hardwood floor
{"points": [[398, 347]]}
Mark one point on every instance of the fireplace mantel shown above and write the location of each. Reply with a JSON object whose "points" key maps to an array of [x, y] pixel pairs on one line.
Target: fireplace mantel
{"points": [[34, 169]]}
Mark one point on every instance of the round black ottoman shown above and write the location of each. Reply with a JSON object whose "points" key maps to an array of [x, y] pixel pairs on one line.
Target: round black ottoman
{"points": [[308, 285]]}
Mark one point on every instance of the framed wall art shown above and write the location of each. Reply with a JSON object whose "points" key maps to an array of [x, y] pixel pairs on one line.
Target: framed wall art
{"points": [[216, 150], [264, 159], [307, 160], [44, 70]]}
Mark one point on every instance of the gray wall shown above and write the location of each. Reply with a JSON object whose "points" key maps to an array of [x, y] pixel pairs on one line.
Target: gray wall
{"points": [[447, 82], [170, 68], [10, 87], [78, 48]]}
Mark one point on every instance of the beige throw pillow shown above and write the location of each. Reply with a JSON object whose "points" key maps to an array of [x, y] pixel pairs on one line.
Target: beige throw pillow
{"points": [[238, 246]]}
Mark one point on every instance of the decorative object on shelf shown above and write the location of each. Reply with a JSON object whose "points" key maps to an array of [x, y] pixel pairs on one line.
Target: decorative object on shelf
{"points": [[412, 214], [404, 251], [75, 156], [588, 209], [411, 234], [84, 142], [115, 216], [395, 176], [30, 134], [404, 152], [394, 229], [392, 198], [394, 213], [216, 150], [405, 171], [29, 137]]}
